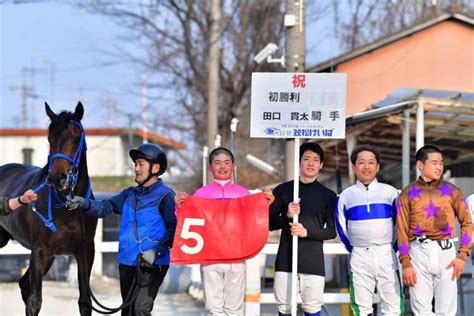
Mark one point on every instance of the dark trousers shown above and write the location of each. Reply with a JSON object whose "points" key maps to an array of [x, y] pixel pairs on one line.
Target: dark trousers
{"points": [[143, 304]]}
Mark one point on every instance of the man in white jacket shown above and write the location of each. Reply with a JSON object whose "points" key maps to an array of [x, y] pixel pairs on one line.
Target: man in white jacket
{"points": [[470, 203], [365, 223]]}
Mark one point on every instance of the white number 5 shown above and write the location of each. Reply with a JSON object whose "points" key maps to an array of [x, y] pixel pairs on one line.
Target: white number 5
{"points": [[187, 234]]}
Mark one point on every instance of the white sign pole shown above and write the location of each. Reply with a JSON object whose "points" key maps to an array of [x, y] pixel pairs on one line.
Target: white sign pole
{"points": [[294, 259], [298, 105]]}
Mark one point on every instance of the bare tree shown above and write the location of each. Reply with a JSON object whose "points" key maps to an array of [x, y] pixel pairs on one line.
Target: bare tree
{"points": [[359, 22], [175, 37]]}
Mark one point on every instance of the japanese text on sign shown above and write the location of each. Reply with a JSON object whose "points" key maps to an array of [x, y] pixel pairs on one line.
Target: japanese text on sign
{"points": [[290, 105]]}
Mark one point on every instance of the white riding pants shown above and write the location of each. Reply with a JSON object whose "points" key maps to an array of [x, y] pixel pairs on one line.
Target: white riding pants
{"points": [[310, 287], [372, 267], [224, 288], [432, 279]]}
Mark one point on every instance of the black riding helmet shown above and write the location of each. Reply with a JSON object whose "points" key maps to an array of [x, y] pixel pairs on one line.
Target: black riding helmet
{"points": [[153, 154]]}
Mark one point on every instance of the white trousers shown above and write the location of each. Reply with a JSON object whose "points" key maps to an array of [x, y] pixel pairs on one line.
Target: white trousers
{"points": [[310, 287], [224, 288], [373, 267], [432, 279]]}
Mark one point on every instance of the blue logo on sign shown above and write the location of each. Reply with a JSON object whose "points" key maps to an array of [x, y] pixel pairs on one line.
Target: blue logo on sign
{"points": [[272, 131]]}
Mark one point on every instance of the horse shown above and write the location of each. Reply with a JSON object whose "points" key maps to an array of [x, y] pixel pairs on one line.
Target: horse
{"points": [[46, 227]]}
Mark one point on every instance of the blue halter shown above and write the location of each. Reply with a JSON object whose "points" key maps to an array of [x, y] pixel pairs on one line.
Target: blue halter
{"points": [[73, 178]]}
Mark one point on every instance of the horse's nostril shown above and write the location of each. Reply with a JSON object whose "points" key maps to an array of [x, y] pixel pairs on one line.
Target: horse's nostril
{"points": [[58, 180]]}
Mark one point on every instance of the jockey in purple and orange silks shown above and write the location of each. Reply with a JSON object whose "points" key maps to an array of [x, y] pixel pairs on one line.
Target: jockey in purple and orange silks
{"points": [[426, 211]]}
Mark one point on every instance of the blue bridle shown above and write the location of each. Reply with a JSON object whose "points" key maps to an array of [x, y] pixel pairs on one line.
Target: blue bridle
{"points": [[73, 178]]}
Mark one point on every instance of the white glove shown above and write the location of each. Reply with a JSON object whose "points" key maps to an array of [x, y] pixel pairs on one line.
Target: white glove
{"points": [[149, 256], [74, 202]]}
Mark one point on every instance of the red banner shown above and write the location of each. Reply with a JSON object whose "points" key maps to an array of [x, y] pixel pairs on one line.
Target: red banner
{"points": [[220, 231]]}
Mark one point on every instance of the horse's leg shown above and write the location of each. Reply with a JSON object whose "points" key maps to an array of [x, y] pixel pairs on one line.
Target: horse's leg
{"points": [[4, 237], [85, 259], [25, 281], [40, 262], [25, 285]]}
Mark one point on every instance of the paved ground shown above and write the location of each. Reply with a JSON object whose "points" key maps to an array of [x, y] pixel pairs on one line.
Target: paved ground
{"points": [[60, 298]]}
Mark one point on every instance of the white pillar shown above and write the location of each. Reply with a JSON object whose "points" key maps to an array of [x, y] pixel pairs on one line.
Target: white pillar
{"points": [[406, 148], [205, 153], [350, 145], [420, 128]]}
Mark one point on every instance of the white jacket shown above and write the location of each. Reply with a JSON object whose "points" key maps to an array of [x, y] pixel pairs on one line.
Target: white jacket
{"points": [[470, 203], [365, 216]]}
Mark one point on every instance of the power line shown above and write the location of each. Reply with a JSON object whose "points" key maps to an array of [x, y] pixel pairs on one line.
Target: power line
{"points": [[22, 1], [47, 71]]}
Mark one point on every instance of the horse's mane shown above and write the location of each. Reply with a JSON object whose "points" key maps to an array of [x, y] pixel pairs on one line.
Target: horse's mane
{"points": [[61, 121]]}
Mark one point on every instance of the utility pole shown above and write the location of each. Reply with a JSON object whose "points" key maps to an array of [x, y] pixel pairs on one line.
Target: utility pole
{"points": [[145, 109], [295, 62], [213, 67], [51, 78], [27, 91]]}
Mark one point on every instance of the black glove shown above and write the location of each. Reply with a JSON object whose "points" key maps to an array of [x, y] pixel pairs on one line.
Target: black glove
{"points": [[74, 202]]}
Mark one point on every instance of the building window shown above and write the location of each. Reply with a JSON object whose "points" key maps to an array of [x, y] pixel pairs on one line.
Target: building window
{"points": [[27, 156]]}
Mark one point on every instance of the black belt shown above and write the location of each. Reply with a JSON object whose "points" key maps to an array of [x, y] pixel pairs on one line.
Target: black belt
{"points": [[444, 244]]}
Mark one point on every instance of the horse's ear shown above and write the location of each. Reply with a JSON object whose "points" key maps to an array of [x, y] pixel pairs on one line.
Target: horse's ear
{"points": [[49, 112], [79, 112]]}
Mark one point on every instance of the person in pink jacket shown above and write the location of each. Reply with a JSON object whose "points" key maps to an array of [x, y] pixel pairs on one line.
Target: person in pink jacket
{"points": [[223, 283]]}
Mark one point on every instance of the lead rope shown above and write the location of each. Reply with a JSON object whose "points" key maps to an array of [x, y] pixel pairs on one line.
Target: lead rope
{"points": [[132, 292]]}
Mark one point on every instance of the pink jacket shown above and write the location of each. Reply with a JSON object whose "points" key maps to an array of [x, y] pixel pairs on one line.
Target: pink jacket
{"points": [[215, 191]]}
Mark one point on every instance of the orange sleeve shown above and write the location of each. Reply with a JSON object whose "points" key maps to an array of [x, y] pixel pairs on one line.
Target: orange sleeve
{"points": [[464, 217], [403, 222]]}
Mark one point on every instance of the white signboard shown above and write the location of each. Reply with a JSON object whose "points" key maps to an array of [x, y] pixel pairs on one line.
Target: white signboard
{"points": [[298, 105]]}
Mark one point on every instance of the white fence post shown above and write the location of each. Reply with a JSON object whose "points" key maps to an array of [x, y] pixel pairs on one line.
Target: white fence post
{"points": [[98, 258], [253, 286]]}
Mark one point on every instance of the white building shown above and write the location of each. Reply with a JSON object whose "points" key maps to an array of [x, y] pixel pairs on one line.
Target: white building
{"points": [[107, 148]]}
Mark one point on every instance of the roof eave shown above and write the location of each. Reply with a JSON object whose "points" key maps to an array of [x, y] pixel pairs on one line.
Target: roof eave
{"points": [[378, 112], [327, 65]]}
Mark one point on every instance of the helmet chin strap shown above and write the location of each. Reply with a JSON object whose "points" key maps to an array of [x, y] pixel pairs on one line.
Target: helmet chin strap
{"points": [[150, 175]]}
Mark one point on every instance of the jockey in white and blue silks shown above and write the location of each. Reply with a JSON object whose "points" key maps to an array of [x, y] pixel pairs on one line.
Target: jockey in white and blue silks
{"points": [[365, 223]]}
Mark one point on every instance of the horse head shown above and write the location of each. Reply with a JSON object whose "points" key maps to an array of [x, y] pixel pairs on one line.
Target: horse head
{"points": [[66, 142]]}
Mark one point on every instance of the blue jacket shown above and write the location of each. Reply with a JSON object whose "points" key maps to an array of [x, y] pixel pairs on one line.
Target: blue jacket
{"points": [[148, 221]]}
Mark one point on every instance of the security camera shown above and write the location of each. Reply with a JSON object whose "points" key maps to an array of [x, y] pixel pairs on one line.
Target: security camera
{"points": [[267, 51], [262, 165]]}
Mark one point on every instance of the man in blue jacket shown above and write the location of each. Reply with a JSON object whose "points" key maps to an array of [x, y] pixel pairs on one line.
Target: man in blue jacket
{"points": [[147, 227]]}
